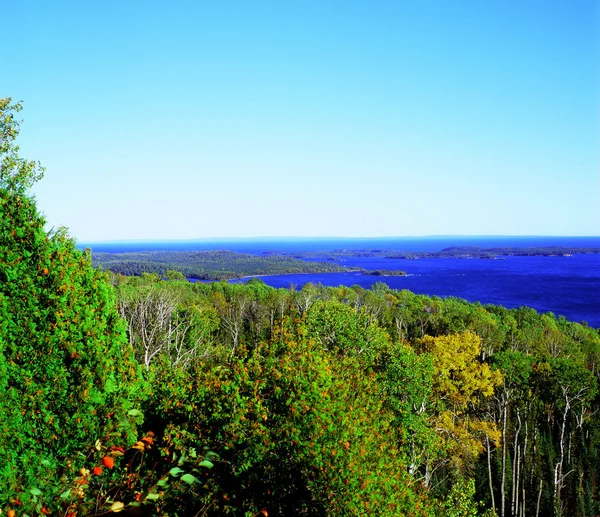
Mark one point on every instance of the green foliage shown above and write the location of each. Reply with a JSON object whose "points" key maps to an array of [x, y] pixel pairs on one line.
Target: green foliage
{"points": [[441, 392], [134, 477], [16, 173], [175, 276], [565, 382], [516, 368], [407, 384], [299, 431], [460, 502], [65, 364], [344, 330]]}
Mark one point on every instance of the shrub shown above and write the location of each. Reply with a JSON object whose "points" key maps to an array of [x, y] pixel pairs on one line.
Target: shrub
{"points": [[66, 371], [298, 430]]}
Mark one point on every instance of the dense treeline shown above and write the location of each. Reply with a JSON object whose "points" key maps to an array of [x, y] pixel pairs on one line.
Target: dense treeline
{"points": [[149, 396], [507, 398], [208, 265]]}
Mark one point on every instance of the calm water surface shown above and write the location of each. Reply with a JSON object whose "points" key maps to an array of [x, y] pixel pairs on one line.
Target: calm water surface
{"points": [[568, 286]]}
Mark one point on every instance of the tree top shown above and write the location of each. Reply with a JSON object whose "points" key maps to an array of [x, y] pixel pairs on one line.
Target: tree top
{"points": [[16, 174]]}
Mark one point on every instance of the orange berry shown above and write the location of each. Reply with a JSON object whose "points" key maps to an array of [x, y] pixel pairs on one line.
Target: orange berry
{"points": [[109, 462], [97, 471], [11, 513]]}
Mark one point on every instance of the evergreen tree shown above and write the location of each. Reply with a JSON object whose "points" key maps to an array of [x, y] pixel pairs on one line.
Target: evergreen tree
{"points": [[65, 366]]}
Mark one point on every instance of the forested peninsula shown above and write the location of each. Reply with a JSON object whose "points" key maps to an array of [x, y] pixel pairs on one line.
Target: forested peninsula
{"points": [[151, 395], [209, 265]]}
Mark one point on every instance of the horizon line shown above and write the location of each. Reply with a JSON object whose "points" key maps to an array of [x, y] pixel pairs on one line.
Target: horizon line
{"points": [[321, 238]]}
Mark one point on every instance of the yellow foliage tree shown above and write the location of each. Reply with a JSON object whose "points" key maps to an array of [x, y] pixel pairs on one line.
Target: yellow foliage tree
{"points": [[460, 381]]}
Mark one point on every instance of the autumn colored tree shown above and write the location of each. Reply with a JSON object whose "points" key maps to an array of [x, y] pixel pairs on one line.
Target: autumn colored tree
{"points": [[460, 381]]}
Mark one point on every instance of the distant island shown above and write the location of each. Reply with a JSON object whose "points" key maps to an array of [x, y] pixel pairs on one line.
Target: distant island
{"points": [[469, 252], [461, 252], [384, 272], [226, 265]]}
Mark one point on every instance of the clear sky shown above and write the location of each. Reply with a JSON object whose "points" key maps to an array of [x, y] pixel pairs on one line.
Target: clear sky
{"points": [[189, 119]]}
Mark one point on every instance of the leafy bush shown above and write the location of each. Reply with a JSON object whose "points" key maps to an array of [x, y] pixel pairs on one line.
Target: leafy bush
{"points": [[66, 370], [299, 431]]}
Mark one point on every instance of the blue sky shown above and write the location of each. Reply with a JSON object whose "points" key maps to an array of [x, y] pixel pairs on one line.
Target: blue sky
{"points": [[186, 119]]}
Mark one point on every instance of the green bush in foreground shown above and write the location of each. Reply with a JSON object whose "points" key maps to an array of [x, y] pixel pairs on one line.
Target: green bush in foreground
{"points": [[65, 367], [66, 372]]}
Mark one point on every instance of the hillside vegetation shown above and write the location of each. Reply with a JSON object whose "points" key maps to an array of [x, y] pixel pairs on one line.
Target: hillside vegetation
{"points": [[144, 396]]}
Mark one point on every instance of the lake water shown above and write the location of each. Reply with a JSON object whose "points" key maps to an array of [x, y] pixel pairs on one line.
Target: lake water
{"points": [[568, 286]]}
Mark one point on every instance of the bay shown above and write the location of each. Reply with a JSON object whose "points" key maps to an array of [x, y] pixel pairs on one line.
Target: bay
{"points": [[568, 286]]}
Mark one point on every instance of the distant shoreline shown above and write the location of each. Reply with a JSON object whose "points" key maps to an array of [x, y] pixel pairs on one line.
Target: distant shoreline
{"points": [[225, 265], [455, 252], [320, 245]]}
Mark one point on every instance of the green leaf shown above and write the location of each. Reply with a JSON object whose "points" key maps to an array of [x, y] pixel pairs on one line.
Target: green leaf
{"points": [[152, 497], [176, 471], [207, 464], [134, 412], [211, 455], [35, 491], [189, 479], [162, 482]]}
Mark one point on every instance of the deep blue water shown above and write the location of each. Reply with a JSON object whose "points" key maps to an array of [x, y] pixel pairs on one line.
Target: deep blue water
{"points": [[568, 286]]}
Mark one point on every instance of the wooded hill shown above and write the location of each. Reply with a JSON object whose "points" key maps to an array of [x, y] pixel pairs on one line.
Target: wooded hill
{"points": [[209, 265]]}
